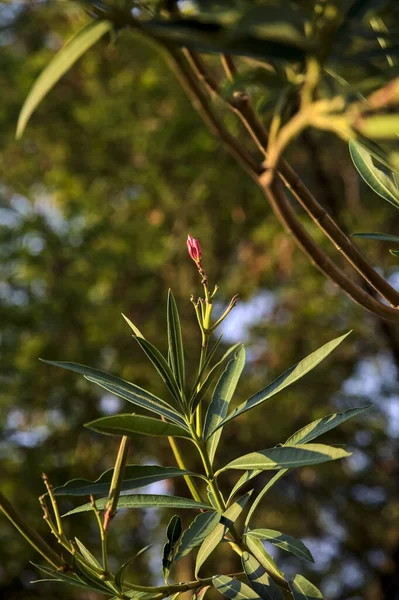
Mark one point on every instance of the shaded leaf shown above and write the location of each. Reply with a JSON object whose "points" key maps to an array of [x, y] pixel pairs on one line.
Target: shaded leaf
{"points": [[233, 588], [260, 581], [263, 557], [283, 541], [175, 342], [144, 501], [131, 424], [287, 457], [227, 519], [321, 426], [173, 533], [302, 589], [286, 379], [121, 572], [58, 66], [202, 525], [221, 397], [134, 476], [374, 173], [71, 580], [87, 555], [383, 237]]}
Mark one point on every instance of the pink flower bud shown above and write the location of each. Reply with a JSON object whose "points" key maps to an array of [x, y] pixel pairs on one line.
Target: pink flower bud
{"points": [[194, 248]]}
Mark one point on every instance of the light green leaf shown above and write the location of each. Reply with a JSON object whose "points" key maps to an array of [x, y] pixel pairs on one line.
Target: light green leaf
{"points": [[321, 426], [221, 397], [287, 457], [227, 519], [133, 327], [245, 477], [144, 501], [58, 66], [374, 173], [263, 557], [283, 541], [87, 555], [132, 424], [175, 342], [124, 389], [263, 492], [233, 588], [383, 237], [135, 476], [302, 589], [286, 379], [260, 581], [394, 252], [380, 127], [202, 525]]}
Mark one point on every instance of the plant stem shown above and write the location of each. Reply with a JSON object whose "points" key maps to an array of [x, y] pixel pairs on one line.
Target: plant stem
{"points": [[116, 482], [181, 464]]}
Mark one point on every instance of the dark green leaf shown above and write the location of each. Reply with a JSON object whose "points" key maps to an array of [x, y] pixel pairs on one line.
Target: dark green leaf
{"points": [[202, 525], [286, 379], [394, 252], [144, 501], [124, 389], [132, 424], [260, 581], [135, 476], [321, 426], [233, 588], [121, 572], [283, 541], [173, 533], [227, 519], [383, 237], [175, 342], [287, 457], [374, 173], [72, 580], [58, 66], [205, 366], [302, 589], [221, 397]]}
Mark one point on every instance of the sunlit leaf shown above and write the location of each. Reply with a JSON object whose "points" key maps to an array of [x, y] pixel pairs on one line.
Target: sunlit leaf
{"points": [[71, 580], [321, 426], [87, 555], [286, 379], [283, 541], [133, 327], [131, 424], [202, 525], [287, 457], [59, 65], [144, 501], [260, 581], [302, 589], [175, 342], [233, 588], [256, 548]]}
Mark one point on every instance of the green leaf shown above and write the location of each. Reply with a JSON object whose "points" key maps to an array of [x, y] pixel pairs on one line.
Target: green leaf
{"points": [[286, 379], [144, 501], [87, 555], [161, 366], [135, 476], [132, 424], [260, 581], [287, 457], [283, 541], [58, 66], [202, 525], [173, 533], [211, 497], [321, 426], [206, 364], [121, 572], [136, 331], [124, 389], [245, 477], [263, 492], [175, 341], [71, 580], [380, 127], [375, 174], [383, 237], [227, 519], [199, 595], [263, 557], [394, 252], [233, 588], [221, 397], [302, 589]]}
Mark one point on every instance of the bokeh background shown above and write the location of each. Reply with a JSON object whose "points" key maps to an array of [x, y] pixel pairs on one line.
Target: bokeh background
{"points": [[95, 204]]}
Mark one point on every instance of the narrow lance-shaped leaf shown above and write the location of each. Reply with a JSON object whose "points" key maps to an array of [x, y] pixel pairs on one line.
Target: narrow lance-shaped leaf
{"points": [[287, 457], [175, 341], [374, 173], [135, 476], [221, 397], [205, 366], [260, 581], [58, 66], [283, 541], [256, 548], [286, 379], [233, 588], [227, 519], [302, 589], [382, 237], [87, 555], [144, 501], [131, 424], [245, 477], [124, 389], [202, 525], [263, 492], [173, 533], [133, 327], [121, 572], [71, 580], [321, 426]]}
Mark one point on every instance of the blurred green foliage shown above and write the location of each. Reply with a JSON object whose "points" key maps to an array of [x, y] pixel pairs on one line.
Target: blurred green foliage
{"points": [[96, 201]]}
